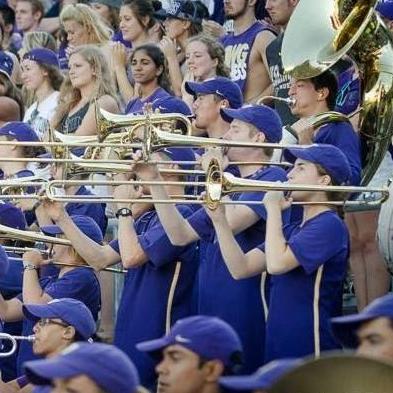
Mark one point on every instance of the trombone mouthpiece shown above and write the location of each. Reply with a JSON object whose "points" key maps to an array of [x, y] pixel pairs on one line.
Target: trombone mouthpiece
{"points": [[289, 100]]}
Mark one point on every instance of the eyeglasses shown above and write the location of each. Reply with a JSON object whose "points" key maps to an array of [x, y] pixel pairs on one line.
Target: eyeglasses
{"points": [[46, 321]]}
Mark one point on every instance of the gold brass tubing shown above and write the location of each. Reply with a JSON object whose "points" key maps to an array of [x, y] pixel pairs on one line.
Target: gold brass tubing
{"points": [[106, 269], [22, 250]]}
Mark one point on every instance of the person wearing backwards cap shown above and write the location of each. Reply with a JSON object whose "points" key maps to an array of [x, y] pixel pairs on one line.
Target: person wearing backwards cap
{"points": [[307, 260], [57, 325], [42, 77], [79, 283], [238, 303], [194, 354], [160, 276], [86, 368], [370, 331]]}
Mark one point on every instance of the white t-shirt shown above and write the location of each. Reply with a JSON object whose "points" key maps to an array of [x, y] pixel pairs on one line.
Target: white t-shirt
{"points": [[38, 115]]}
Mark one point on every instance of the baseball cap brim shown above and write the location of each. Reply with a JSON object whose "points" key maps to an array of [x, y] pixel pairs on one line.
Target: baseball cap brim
{"points": [[195, 88], [292, 154], [249, 382], [344, 328], [153, 345], [52, 230], [37, 311], [230, 114]]}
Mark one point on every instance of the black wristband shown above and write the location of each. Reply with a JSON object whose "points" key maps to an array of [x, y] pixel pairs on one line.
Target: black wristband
{"points": [[124, 212]]}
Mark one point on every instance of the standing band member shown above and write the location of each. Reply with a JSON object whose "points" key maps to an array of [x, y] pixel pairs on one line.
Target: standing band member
{"points": [[307, 260]]}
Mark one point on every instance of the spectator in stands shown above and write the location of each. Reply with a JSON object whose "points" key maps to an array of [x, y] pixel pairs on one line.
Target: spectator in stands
{"points": [[42, 77], [37, 39], [150, 73], [83, 368], [28, 15], [12, 39], [108, 10], [88, 80], [136, 21], [182, 21], [245, 49], [370, 331], [15, 75], [205, 58]]}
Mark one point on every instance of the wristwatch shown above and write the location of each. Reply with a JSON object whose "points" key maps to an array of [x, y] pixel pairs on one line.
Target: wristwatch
{"points": [[124, 212]]}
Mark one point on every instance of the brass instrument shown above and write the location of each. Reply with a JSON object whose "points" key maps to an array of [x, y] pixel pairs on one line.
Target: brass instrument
{"points": [[347, 27], [337, 373], [14, 341], [288, 100]]}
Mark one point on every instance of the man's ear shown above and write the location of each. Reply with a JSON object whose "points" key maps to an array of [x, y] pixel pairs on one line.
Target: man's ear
{"points": [[224, 104], [323, 93], [213, 370]]}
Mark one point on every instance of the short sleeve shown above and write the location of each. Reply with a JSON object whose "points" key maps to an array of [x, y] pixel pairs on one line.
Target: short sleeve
{"points": [[202, 225], [318, 241], [157, 245], [114, 244]]}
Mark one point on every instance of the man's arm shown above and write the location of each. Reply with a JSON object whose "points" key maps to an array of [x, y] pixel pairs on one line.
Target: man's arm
{"points": [[93, 253], [10, 310], [239, 264]]}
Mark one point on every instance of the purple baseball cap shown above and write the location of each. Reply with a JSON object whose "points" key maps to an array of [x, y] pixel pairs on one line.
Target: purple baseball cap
{"points": [[179, 154], [262, 117], [209, 337], [263, 378], [4, 262], [71, 311], [105, 364], [221, 86], [85, 223], [42, 56], [194, 11], [6, 64], [344, 328], [385, 8], [20, 131], [11, 216], [171, 105], [329, 157]]}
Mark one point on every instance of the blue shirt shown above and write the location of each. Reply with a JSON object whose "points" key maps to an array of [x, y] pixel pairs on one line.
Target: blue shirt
{"points": [[80, 283], [136, 104], [241, 303], [156, 294], [342, 135], [303, 300]]}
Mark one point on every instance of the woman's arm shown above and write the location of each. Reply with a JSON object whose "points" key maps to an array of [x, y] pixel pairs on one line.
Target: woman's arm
{"points": [[239, 264]]}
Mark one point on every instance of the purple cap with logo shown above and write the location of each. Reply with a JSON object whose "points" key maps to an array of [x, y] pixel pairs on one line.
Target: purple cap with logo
{"points": [[223, 87], [86, 224], [385, 8], [329, 157], [4, 262], [171, 105], [262, 117], [263, 378], [71, 311], [194, 11], [179, 154], [42, 56], [11, 216], [6, 64], [209, 337], [20, 131], [105, 364], [344, 328]]}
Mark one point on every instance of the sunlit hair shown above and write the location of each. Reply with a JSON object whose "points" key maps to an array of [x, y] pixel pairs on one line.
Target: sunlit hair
{"points": [[215, 50], [98, 31], [70, 96]]}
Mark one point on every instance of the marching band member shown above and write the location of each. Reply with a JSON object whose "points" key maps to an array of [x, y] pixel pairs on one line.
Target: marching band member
{"points": [[238, 303], [194, 354], [76, 282], [86, 368], [315, 96], [160, 277], [307, 260], [57, 325]]}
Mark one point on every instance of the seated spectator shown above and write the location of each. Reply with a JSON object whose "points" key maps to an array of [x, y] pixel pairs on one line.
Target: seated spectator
{"points": [[12, 39], [150, 73], [28, 15], [88, 80], [41, 76], [86, 368]]}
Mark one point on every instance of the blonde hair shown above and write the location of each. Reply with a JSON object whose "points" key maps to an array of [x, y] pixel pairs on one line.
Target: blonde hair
{"points": [[70, 96], [96, 28]]}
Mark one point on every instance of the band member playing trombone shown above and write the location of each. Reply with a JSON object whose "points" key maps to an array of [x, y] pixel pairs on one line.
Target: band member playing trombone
{"points": [[57, 325], [240, 304], [307, 260], [75, 282], [160, 278]]}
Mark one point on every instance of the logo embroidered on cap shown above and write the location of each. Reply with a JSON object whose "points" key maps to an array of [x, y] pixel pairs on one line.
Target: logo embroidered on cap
{"points": [[181, 339]]}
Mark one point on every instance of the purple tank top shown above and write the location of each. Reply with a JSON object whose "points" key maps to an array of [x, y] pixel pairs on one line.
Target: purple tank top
{"points": [[238, 49]]}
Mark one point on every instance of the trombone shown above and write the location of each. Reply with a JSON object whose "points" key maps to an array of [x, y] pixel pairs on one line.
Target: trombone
{"points": [[14, 342]]}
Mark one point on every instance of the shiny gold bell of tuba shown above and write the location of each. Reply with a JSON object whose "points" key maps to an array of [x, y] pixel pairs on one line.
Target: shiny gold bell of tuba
{"points": [[330, 29]]}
